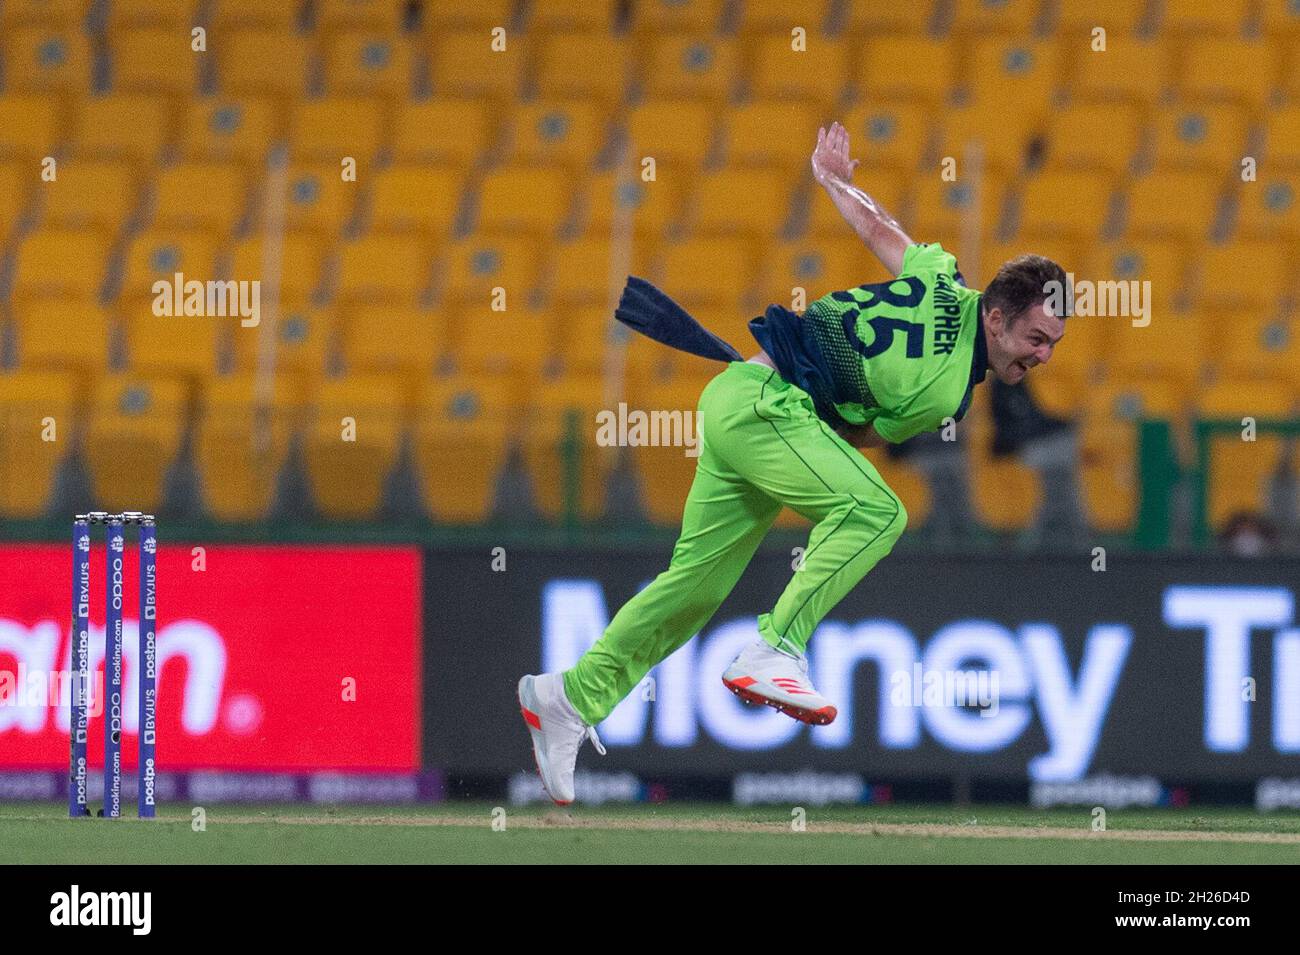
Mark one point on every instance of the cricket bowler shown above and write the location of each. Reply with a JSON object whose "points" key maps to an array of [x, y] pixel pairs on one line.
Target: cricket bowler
{"points": [[860, 368]]}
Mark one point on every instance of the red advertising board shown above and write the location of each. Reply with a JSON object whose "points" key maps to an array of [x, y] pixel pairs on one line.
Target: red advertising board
{"points": [[270, 658]]}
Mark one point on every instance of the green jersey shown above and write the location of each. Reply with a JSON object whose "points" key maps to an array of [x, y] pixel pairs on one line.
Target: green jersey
{"points": [[901, 355]]}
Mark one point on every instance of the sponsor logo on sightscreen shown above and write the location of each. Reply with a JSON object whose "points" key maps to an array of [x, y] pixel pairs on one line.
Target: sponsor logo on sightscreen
{"points": [[1035, 678]]}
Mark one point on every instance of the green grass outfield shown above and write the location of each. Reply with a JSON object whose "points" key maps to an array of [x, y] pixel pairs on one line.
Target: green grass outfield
{"points": [[688, 833]]}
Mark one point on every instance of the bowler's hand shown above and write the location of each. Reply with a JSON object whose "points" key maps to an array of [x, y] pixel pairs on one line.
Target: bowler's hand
{"points": [[830, 160]]}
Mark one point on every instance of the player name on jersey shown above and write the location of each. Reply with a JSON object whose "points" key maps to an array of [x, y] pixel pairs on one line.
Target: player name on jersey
{"points": [[947, 315]]}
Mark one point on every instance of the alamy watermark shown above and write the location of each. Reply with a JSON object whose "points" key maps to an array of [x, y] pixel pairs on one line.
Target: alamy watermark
{"points": [[661, 428], [211, 299]]}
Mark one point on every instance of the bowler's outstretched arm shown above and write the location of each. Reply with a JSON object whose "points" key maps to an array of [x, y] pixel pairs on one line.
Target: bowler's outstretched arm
{"points": [[833, 171]]}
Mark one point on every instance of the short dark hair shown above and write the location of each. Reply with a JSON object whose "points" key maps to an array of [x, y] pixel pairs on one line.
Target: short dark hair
{"points": [[1022, 284]]}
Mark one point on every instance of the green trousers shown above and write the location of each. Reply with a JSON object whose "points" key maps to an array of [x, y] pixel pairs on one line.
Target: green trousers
{"points": [[762, 446]]}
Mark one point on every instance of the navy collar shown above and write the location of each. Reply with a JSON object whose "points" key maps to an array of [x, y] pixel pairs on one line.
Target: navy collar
{"points": [[979, 366]]}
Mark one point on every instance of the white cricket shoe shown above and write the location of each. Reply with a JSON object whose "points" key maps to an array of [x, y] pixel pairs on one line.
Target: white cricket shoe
{"points": [[557, 730], [763, 674]]}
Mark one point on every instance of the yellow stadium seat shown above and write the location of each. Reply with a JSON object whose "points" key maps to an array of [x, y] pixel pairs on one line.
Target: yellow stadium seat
{"points": [[180, 347], [442, 130], [133, 436], [1201, 137], [677, 133], [519, 341], [528, 198], [481, 262], [886, 185], [370, 62], [563, 67], [1247, 272], [748, 138], [419, 199], [976, 17], [889, 134], [775, 16], [1006, 70], [318, 197], [261, 63], [1162, 263], [1152, 214], [1233, 70], [301, 256], [1071, 204], [1006, 493], [1240, 470], [816, 265], [1128, 70], [1272, 205], [201, 195], [29, 126], [376, 15], [88, 194], [692, 66], [132, 128], [556, 133], [49, 13], [586, 335], [29, 462], [1108, 446], [228, 130], [401, 340], [1169, 349], [817, 75], [1094, 136], [1065, 252], [15, 194], [649, 207], [62, 334], [283, 17], [155, 60], [440, 17], [1002, 137], [873, 19], [178, 15], [1221, 17], [1117, 17], [677, 16], [337, 127], [46, 59], [351, 444], [906, 68], [1251, 343], [393, 269], [559, 440], [665, 469], [61, 262], [1282, 135], [462, 436], [748, 202], [158, 254], [241, 442], [690, 270], [304, 335], [568, 15], [941, 209], [580, 271], [469, 63], [1280, 17]]}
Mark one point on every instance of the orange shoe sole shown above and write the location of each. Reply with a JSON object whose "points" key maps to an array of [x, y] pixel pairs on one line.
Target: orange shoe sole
{"points": [[813, 717]]}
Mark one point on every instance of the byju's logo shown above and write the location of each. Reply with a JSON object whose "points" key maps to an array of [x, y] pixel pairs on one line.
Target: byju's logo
{"points": [[131, 909]]}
